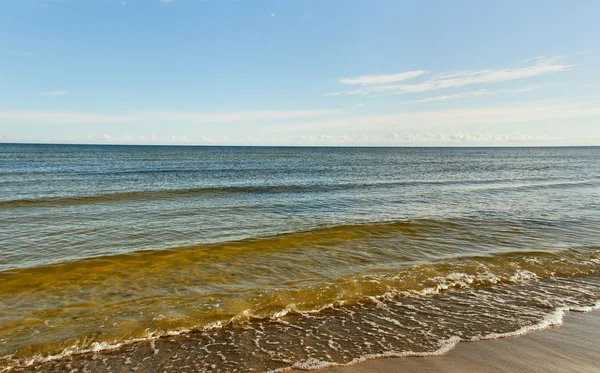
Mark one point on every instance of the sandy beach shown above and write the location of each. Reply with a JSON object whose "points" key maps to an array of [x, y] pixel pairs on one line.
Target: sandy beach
{"points": [[572, 347]]}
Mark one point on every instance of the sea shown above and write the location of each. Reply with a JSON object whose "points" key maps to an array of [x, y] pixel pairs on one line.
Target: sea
{"points": [[266, 259]]}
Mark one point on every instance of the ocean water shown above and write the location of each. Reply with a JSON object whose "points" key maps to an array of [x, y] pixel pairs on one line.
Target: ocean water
{"points": [[224, 259]]}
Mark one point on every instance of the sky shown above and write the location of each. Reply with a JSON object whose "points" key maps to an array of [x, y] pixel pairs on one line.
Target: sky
{"points": [[300, 72]]}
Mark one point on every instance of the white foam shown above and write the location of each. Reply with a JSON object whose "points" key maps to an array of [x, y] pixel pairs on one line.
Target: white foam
{"points": [[151, 336], [585, 308], [451, 280], [554, 318], [454, 279], [314, 364], [523, 275], [95, 347]]}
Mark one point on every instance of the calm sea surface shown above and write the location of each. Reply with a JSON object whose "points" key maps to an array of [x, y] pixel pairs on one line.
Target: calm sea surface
{"points": [[262, 259]]}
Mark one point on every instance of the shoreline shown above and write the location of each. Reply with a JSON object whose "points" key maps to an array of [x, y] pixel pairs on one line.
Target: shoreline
{"points": [[565, 340], [569, 347]]}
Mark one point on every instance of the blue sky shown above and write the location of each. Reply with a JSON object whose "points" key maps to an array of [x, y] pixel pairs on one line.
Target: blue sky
{"points": [[300, 72]]}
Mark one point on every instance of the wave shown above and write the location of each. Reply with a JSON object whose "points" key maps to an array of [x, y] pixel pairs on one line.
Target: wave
{"points": [[552, 185], [417, 236], [158, 312], [109, 301], [443, 234], [160, 194], [285, 343], [145, 195], [552, 319]]}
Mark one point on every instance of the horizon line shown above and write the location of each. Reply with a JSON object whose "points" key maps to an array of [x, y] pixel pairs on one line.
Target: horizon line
{"points": [[304, 146]]}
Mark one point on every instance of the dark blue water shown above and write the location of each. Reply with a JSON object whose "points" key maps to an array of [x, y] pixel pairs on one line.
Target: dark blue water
{"points": [[66, 202]]}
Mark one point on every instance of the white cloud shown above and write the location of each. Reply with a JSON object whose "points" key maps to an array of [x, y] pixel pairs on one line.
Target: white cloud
{"points": [[522, 113], [378, 84], [166, 1], [478, 137], [481, 92], [273, 14], [382, 79], [241, 116], [298, 121], [181, 139], [434, 139], [12, 117], [392, 139], [54, 93]]}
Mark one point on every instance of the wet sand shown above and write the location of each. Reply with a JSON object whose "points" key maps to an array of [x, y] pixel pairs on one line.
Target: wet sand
{"points": [[572, 347]]}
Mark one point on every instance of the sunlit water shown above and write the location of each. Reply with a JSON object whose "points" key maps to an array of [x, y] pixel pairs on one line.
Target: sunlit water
{"points": [[258, 259]]}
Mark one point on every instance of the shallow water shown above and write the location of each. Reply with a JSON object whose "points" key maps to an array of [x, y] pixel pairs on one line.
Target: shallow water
{"points": [[268, 258]]}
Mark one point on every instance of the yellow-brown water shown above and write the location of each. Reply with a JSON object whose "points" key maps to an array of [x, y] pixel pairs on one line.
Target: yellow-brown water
{"points": [[286, 256]]}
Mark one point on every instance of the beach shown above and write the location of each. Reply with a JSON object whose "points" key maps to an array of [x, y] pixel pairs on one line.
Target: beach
{"points": [[571, 347]]}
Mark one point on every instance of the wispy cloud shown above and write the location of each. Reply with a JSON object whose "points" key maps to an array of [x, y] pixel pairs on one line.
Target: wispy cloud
{"points": [[471, 137], [501, 114], [273, 14], [482, 92], [241, 116], [382, 79], [479, 93], [428, 139], [295, 121], [467, 138], [181, 139], [54, 93], [380, 84], [12, 117]]}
